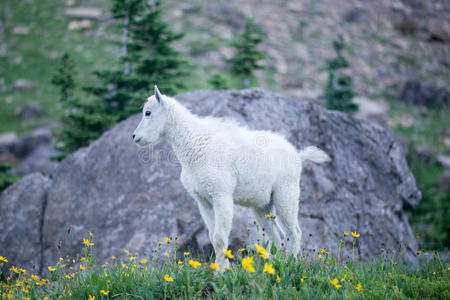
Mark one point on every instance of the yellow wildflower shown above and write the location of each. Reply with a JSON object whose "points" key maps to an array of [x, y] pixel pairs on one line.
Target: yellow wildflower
{"points": [[194, 264], [247, 264], [160, 243], [125, 266], [132, 258], [61, 259], [228, 268], [322, 250], [126, 251], [91, 297], [23, 271], [320, 256], [268, 269], [359, 287], [261, 251], [67, 276], [87, 242], [343, 278], [214, 266], [113, 257], [168, 278], [3, 259], [143, 261], [51, 269], [241, 250], [419, 251], [35, 277], [168, 240], [166, 254], [186, 253], [179, 262], [103, 292], [336, 284], [345, 233], [82, 267], [227, 253], [278, 278], [83, 258], [355, 235], [90, 234], [271, 215], [14, 269]]}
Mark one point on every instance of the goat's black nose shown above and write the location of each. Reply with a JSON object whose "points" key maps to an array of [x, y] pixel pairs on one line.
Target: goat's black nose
{"points": [[133, 136]]}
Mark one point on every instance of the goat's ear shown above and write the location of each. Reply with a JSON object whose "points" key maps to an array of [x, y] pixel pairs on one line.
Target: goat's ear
{"points": [[158, 95]]}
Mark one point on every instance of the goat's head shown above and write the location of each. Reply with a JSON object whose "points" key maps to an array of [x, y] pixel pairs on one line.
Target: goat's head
{"points": [[154, 119]]}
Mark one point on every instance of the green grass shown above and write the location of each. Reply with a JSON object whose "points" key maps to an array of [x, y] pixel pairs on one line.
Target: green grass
{"points": [[168, 277]]}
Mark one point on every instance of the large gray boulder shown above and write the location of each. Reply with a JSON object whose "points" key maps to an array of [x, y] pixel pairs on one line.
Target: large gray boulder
{"points": [[21, 215], [132, 197]]}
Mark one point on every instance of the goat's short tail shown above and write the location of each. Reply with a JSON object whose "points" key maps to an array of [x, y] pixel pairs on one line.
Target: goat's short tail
{"points": [[314, 154]]}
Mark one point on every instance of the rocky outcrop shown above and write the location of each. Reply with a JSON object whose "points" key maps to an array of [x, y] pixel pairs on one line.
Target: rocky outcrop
{"points": [[132, 197]]}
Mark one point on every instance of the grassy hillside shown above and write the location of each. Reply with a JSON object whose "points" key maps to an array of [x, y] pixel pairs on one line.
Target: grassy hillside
{"points": [[252, 275]]}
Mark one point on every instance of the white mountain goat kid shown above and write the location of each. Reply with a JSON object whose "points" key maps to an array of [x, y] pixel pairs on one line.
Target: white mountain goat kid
{"points": [[223, 163]]}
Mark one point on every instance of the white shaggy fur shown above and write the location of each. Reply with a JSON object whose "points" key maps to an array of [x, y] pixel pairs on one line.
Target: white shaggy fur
{"points": [[223, 163]]}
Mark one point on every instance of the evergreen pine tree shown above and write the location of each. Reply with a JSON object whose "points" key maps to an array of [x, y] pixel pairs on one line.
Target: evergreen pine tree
{"points": [[339, 88], [247, 57], [118, 87], [148, 59], [82, 122], [157, 61]]}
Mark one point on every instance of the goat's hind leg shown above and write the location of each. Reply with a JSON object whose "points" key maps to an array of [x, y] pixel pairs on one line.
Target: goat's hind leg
{"points": [[270, 227], [286, 197]]}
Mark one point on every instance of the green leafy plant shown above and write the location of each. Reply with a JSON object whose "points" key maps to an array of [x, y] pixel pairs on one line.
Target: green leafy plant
{"points": [[6, 179], [82, 121], [219, 81]]}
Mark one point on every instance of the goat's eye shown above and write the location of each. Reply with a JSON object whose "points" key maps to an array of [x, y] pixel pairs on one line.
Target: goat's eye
{"points": [[148, 113]]}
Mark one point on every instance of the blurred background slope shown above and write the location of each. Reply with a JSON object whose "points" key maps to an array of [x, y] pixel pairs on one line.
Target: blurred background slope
{"points": [[399, 55]]}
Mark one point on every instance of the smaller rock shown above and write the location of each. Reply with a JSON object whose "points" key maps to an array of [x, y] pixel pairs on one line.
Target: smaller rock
{"points": [[429, 94], [229, 15], [83, 24], [190, 8], [375, 111], [295, 6], [438, 32], [294, 83], [84, 13], [21, 30], [356, 15], [29, 110], [8, 138], [426, 155], [23, 84], [408, 25], [40, 160], [444, 160]]}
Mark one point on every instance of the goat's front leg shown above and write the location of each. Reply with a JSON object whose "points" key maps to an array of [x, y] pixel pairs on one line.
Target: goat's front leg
{"points": [[223, 220]]}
